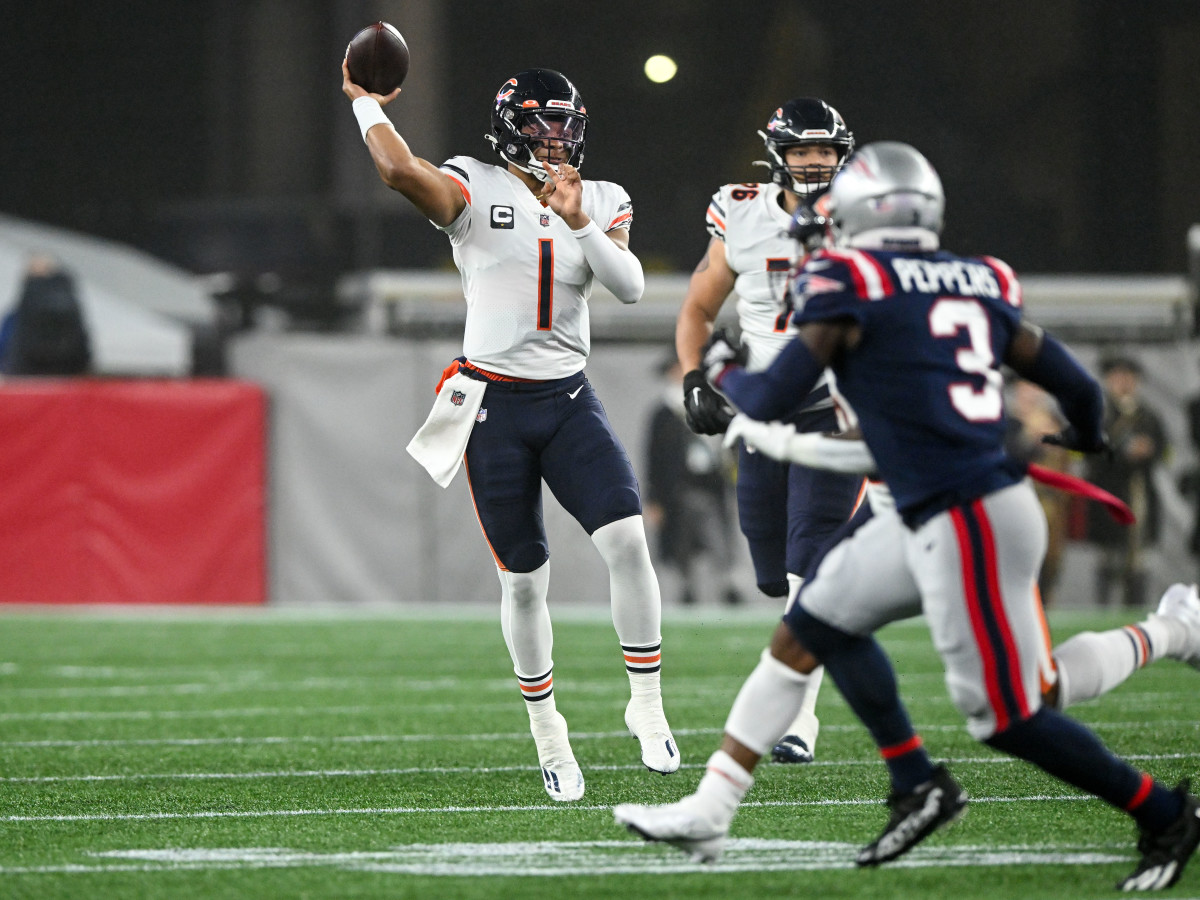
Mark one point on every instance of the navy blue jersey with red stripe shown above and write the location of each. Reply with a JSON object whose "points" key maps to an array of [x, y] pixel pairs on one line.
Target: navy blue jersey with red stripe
{"points": [[925, 377]]}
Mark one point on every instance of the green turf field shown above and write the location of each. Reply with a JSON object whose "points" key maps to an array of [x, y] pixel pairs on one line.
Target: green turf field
{"points": [[265, 754]]}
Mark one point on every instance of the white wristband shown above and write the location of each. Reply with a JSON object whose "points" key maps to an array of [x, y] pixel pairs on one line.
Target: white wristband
{"points": [[368, 112]]}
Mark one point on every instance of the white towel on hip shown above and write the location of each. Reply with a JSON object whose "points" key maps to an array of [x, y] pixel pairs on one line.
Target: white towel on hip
{"points": [[440, 443]]}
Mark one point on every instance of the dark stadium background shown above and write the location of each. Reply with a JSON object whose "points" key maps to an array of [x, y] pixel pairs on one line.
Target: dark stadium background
{"points": [[214, 133]]}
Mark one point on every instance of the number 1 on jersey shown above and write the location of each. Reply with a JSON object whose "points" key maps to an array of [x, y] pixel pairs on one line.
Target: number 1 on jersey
{"points": [[545, 283]]}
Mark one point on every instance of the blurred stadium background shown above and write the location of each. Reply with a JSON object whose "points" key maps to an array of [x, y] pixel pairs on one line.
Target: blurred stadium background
{"points": [[198, 168]]}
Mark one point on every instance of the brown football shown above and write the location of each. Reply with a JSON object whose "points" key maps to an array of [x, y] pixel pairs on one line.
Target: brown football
{"points": [[378, 58]]}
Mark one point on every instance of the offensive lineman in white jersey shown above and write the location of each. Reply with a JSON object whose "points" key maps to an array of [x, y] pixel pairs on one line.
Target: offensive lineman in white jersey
{"points": [[528, 239], [787, 512]]}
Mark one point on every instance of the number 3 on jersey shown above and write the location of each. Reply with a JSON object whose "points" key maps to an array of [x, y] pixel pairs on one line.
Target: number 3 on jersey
{"points": [[947, 317]]}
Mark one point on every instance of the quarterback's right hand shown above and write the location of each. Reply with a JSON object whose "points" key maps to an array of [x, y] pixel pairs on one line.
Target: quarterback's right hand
{"points": [[704, 409]]}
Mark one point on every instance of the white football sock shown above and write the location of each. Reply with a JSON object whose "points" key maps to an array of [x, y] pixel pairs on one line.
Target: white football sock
{"points": [[767, 704], [1090, 664], [721, 790], [525, 620], [633, 586]]}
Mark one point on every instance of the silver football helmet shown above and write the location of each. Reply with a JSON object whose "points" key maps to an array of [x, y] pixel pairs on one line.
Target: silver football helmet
{"points": [[891, 191]]}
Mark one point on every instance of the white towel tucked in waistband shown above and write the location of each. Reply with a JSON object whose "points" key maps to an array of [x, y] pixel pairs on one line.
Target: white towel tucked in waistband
{"points": [[440, 443]]}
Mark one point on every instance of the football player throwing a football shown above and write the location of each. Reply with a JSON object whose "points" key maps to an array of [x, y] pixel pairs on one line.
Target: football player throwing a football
{"points": [[528, 237], [787, 512]]}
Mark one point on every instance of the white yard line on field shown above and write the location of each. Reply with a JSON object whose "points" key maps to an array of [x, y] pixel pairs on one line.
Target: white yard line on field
{"points": [[486, 770], [571, 858], [447, 810], [427, 738]]}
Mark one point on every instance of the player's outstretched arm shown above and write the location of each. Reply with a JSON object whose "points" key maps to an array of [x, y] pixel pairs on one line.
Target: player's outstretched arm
{"points": [[1040, 358], [833, 453], [777, 390], [430, 190]]}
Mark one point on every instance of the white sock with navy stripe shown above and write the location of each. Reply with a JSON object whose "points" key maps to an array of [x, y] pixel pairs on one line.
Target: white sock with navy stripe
{"points": [[1090, 664]]}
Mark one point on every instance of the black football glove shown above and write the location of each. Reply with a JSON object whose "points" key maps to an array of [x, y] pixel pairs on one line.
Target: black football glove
{"points": [[808, 227], [1071, 439], [720, 351], [704, 409]]}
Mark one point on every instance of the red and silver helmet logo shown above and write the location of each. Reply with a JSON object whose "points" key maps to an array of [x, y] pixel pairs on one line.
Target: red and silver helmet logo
{"points": [[560, 104]]}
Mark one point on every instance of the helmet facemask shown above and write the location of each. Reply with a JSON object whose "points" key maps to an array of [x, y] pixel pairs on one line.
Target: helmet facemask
{"points": [[561, 135], [807, 181]]}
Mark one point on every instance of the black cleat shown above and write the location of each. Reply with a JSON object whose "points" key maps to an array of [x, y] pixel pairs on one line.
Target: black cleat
{"points": [[1165, 854], [915, 816], [791, 749]]}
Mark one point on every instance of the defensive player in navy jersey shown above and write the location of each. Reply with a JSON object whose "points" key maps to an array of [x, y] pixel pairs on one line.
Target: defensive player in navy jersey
{"points": [[786, 512], [915, 336], [529, 238]]}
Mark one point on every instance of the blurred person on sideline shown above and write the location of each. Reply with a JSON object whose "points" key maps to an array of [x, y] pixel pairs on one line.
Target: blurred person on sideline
{"points": [[687, 495], [1031, 415], [46, 332], [516, 409], [1193, 412], [1139, 445]]}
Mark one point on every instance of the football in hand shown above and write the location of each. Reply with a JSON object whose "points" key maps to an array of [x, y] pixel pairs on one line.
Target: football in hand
{"points": [[378, 58]]}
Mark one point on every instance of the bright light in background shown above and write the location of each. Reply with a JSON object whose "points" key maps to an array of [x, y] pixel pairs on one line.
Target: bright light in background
{"points": [[660, 68]]}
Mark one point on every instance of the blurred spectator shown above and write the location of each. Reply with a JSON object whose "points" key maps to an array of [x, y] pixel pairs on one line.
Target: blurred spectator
{"points": [[1032, 413], [1139, 445], [687, 495], [45, 334]]}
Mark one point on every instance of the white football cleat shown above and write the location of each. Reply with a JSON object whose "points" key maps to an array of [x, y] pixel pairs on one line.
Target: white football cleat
{"points": [[682, 825], [561, 775], [1181, 603], [646, 721]]}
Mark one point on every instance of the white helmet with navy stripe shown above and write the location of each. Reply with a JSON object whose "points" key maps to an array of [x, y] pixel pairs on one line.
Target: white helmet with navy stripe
{"points": [[887, 196]]}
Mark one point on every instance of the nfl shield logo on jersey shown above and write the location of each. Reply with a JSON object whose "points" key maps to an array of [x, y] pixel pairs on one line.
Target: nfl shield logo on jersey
{"points": [[457, 398], [481, 415], [544, 220]]}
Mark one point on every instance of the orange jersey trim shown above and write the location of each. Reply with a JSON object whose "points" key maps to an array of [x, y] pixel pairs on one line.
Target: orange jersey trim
{"points": [[462, 187]]}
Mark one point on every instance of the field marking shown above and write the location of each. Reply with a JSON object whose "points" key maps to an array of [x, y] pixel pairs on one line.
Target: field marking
{"points": [[570, 858], [447, 810], [501, 736], [487, 770]]}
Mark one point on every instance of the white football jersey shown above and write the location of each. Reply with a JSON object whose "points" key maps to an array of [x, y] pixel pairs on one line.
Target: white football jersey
{"points": [[753, 225], [525, 279]]}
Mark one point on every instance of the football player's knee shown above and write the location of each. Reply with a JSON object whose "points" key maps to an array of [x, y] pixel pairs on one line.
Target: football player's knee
{"points": [[970, 699], [820, 639], [774, 588], [526, 558]]}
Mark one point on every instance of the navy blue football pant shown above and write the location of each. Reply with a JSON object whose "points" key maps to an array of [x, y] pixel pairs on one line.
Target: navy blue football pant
{"points": [[553, 431], [789, 513]]}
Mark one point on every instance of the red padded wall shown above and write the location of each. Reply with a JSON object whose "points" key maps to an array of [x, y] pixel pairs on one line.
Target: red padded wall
{"points": [[132, 492]]}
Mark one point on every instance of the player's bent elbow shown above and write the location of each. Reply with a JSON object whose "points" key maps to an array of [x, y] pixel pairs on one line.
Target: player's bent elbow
{"points": [[631, 292]]}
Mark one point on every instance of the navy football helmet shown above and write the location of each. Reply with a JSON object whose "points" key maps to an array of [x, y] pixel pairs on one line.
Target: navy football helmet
{"points": [[533, 106], [805, 120]]}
